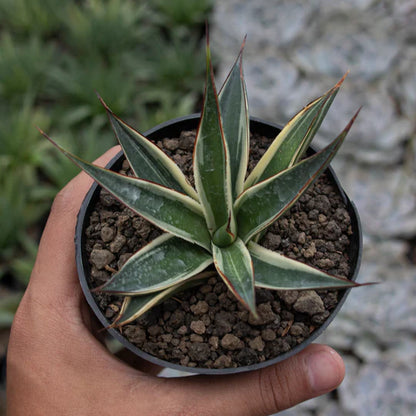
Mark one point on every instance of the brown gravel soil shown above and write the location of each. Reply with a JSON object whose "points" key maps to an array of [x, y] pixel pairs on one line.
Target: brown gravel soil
{"points": [[206, 326]]}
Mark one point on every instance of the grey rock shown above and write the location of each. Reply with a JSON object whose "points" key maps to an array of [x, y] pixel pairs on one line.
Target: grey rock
{"points": [[309, 302], [135, 334], [265, 315], [257, 344], [380, 389], [340, 45], [198, 327], [384, 197], [123, 258], [231, 342], [199, 351], [288, 296], [268, 335], [223, 361], [117, 244], [101, 258], [200, 308], [107, 234]]}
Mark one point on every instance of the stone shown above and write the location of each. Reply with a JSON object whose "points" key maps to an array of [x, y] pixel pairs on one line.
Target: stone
{"points": [[325, 264], [135, 334], [171, 144], [182, 330], [310, 251], [302, 238], [198, 327], [265, 315], [200, 308], [288, 296], [223, 361], [256, 344], [123, 258], [223, 323], [299, 329], [268, 335], [154, 330], [214, 342], [273, 240], [101, 258], [106, 198], [309, 302], [196, 338], [176, 319], [117, 244], [231, 342], [199, 351], [107, 234]]}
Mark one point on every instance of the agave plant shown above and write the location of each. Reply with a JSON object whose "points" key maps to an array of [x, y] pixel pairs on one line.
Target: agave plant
{"points": [[220, 221]]}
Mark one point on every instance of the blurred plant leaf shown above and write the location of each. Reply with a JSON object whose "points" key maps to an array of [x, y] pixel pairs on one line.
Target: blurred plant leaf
{"points": [[24, 66], [106, 29], [183, 12], [29, 17], [75, 83], [173, 65], [8, 307]]}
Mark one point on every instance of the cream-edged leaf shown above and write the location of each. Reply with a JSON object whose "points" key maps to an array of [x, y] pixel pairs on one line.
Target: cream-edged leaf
{"points": [[211, 164], [146, 159], [275, 271], [292, 142], [135, 306], [165, 262], [170, 210], [235, 120], [234, 265], [262, 204]]}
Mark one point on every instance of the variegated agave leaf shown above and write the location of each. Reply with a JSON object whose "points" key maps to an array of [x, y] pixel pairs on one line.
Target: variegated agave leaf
{"points": [[212, 168], [135, 306], [235, 266], [235, 119], [278, 272], [292, 142], [264, 203], [165, 262], [146, 159], [219, 221], [168, 209]]}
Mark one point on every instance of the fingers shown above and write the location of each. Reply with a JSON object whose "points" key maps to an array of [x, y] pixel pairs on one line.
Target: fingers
{"points": [[316, 370], [54, 274]]}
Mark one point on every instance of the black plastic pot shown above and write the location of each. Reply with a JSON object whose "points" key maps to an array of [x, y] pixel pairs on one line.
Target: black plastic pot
{"points": [[173, 128]]}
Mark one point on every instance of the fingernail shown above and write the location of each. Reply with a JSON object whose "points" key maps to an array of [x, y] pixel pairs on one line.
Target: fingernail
{"points": [[324, 370]]}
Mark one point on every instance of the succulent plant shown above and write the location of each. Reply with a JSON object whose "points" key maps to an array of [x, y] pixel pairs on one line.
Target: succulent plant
{"points": [[220, 221]]}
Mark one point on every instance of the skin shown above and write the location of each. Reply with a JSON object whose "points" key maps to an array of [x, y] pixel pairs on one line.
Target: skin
{"points": [[57, 365]]}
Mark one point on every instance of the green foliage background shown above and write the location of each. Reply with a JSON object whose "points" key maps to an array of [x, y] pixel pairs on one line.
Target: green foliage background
{"points": [[146, 59]]}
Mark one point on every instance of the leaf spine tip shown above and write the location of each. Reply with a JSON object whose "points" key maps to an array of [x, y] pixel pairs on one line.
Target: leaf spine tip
{"points": [[40, 130], [339, 83], [347, 128], [243, 45]]}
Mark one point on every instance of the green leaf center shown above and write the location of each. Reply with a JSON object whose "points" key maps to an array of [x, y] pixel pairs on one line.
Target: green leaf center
{"points": [[223, 237]]}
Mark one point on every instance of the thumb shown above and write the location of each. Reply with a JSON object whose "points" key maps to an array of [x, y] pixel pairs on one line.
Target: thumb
{"points": [[316, 370]]}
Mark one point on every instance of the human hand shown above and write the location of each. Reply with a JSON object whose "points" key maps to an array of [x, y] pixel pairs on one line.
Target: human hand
{"points": [[56, 366]]}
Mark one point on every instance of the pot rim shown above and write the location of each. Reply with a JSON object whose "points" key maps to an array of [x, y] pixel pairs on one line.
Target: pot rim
{"points": [[179, 124]]}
